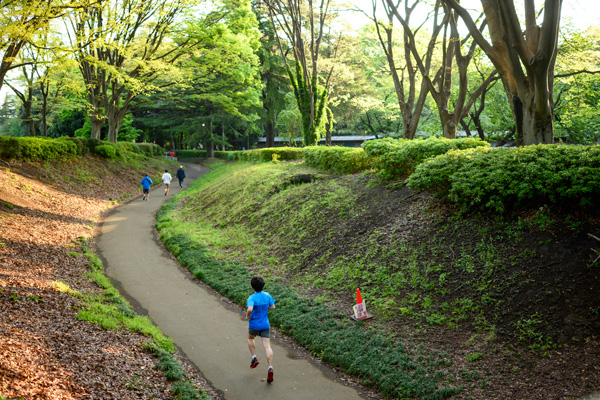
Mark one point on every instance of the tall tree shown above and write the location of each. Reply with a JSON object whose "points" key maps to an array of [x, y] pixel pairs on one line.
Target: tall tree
{"points": [[221, 74], [19, 20], [119, 45], [303, 22], [524, 58], [274, 75], [405, 74]]}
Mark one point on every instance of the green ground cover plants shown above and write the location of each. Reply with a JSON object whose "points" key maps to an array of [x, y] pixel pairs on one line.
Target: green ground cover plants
{"points": [[327, 333], [423, 269]]}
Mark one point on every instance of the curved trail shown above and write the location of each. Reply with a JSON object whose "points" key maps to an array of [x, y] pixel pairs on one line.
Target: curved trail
{"points": [[211, 333]]}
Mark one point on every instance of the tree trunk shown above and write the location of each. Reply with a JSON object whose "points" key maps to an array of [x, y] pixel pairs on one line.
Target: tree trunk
{"points": [[96, 124], [44, 117], [448, 124], [270, 134], [223, 137], [173, 146], [210, 145], [534, 125], [28, 117], [411, 117], [524, 59], [113, 128], [465, 126]]}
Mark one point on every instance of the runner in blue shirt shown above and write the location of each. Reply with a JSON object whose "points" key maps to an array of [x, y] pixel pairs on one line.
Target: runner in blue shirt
{"points": [[146, 182], [257, 313]]}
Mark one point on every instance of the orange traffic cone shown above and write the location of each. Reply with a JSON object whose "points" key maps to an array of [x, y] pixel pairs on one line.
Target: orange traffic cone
{"points": [[358, 296], [360, 309]]}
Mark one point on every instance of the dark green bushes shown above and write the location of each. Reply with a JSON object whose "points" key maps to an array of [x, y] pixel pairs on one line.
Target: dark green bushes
{"points": [[337, 159], [129, 146], [191, 154], [525, 177], [36, 149], [151, 149], [107, 150], [263, 155], [397, 159]]}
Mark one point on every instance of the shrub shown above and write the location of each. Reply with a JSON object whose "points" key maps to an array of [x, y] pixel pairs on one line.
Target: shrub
{"points": [[398, 158], [265, 155], [151, 149], [379, 147], [81, 148], [337, 159], [106, 151], [36, 148], [501, 179], [129, 146], [226, 155], [191, 154], [91, 144]]}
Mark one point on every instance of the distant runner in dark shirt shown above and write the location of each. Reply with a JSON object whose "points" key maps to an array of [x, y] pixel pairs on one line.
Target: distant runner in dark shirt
{"points": [[180, 175]]}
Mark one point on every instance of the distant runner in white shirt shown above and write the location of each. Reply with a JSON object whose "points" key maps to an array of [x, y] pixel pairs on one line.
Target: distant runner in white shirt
{"points": [[167, 181]]}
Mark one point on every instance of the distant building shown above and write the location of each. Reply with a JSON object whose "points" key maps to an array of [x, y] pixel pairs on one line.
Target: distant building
{"points": [[346, 141]]}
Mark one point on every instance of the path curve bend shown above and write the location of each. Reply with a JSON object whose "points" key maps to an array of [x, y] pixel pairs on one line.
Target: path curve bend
{"points": [[211, 333]]}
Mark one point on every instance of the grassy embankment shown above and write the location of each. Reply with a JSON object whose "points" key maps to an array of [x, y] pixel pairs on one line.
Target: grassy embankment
{"points": [[421, 268]]}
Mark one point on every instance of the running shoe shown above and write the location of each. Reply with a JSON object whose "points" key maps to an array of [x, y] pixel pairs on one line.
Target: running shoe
{"points": [[253, 363], [270, 375]]}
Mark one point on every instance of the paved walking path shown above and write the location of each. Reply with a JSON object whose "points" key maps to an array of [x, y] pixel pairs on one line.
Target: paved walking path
{"points": [[211, 333]]}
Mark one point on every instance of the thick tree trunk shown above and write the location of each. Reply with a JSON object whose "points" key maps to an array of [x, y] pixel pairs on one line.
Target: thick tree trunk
{"points": [[411, 117], [448, 124], [113, 128], [270, 134], [534, 125], [96, 124], [210, 149]]}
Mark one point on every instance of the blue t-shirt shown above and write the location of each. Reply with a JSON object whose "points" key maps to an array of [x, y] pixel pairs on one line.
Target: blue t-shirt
{"points": [[146, 182], [260, 302]]}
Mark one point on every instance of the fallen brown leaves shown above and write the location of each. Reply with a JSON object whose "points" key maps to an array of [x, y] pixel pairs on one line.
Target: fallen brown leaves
{"points": [[45, 352]]}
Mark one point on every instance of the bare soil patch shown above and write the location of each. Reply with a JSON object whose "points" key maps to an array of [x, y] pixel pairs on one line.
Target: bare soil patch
{"points": [[45, 351]]}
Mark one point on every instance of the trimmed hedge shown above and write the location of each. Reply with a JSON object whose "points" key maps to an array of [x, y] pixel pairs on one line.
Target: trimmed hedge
{"points": [[263, 155], [151, 149], [129, 146], [191, 153], [398, 158], [337, 159], [514, 178], [36, 148], [106, 150], [226, 155], [40, 148]]}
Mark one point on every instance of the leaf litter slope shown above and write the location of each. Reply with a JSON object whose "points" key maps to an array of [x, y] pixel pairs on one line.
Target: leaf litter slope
{"points": [[45, 352], [512, 301]]}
